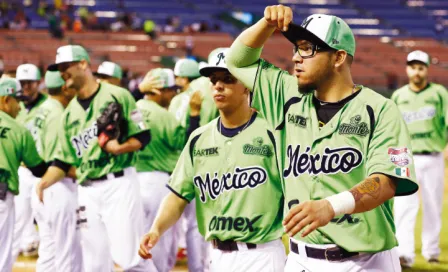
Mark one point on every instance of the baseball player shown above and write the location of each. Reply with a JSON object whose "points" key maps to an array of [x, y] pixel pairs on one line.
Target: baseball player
{"points": [[111, 211], [109, 72], [26, 238], [16, 146], [424, 106], [343, 149], [228, 166], [188, 77], [60, 247], [157, 160]]}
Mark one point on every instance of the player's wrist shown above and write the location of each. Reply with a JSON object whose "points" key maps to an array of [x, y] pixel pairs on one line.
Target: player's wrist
{"points": [[342, 203]]}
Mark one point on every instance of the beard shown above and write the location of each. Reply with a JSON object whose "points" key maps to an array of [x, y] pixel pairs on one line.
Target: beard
{"points": [[307, 88], [417, 80]]}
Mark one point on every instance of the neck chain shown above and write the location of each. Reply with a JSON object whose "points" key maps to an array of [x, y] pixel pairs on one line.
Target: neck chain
{"points": [[247, 124]]}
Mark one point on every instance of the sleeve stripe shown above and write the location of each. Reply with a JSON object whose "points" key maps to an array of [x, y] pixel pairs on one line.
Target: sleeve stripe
{"points": [[255, 82], [192, 144], [176, 193], [372, 122], [288, 104]]}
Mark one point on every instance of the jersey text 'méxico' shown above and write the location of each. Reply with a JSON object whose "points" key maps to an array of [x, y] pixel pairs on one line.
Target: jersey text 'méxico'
{"points": [[78, 136], [235, 182], [16, 146], [167, 139], [365, 137], [425, 114]]}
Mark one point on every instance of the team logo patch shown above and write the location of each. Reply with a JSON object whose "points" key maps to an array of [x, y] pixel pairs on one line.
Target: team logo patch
{"points": [[257, 148], [399, 156], [331, 161], [356, 127], [297, 120], [206, 152], [241, 178], [425, 113], [137, 118]]}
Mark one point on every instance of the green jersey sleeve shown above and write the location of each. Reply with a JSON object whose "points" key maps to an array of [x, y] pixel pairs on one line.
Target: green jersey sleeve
{"points": [[30, 156], [389, 150], [181, 181], [50, 137], [444, 92], [272, 87], [64, 149], [131, 114], [173, 132]]}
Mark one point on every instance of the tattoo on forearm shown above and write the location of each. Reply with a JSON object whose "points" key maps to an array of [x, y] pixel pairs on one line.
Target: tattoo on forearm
{"points": [[370, 186]]}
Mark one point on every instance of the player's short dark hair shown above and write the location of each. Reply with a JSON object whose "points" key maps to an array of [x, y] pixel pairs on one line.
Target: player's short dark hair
{"points": [[54, 91]]}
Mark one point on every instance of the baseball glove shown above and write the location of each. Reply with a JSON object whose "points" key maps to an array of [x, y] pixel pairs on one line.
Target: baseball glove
{"points": [[109, 123]]}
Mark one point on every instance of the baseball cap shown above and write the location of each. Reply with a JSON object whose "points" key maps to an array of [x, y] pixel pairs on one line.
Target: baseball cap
{"points": [[28, 72], [216, 61], [323, 29], [166, 77], [202, 64], [10, 87], [420, 56], [69, 53], [186, 68], [111, 69], [53, 79]]}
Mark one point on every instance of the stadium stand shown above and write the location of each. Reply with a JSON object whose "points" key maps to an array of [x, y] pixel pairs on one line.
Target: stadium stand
{"points": [[386, 31]]}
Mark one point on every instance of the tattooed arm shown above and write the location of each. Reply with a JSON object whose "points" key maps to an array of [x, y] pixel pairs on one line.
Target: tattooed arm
{"points": [[373, 192], [365, 196]]}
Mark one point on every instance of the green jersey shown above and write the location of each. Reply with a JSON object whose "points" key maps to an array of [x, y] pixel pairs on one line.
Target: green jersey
{"points": [[231, 179], [34, 118], [365, 137], [167, 138], [16, 146], [78, 142], [180, 105], [425, 113]]}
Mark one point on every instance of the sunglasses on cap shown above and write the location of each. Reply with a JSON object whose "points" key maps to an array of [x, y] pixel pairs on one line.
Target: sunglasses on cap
{"points": [[225, 78]]}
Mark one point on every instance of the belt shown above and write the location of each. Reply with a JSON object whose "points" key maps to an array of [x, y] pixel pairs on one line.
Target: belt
{"points": [[229, 245], [426, 153], [330, 254], [89, 181]]}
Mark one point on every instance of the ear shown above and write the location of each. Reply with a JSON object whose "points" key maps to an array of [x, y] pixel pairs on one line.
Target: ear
{"points": [[84, 64], [341, 57]]}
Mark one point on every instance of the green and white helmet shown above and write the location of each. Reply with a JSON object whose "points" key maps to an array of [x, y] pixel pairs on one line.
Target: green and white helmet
{"points": [[216, 61], [111, 69], [186, 68], [420, 56], [10, 87], [28, 71], [53, 79], [324, 29], [69, 53]]}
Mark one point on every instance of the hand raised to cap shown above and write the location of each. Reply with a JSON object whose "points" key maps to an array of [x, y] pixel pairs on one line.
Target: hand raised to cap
{"points": [[278, 16], [195, 103]]}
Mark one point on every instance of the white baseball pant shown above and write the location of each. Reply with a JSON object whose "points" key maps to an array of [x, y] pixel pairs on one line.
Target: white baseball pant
{"points": [[6, 232], [60, 238], [25, 232], [153, 189], [430, 176], [387, 260], [112, 212], [267, 257]]}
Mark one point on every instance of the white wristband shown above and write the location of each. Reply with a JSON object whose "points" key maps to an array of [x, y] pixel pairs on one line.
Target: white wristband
{"points": [[342, 203]]}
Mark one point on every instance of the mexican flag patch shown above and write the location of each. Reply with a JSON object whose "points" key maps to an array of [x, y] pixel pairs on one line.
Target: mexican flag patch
{"points": [[402, 172]]}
